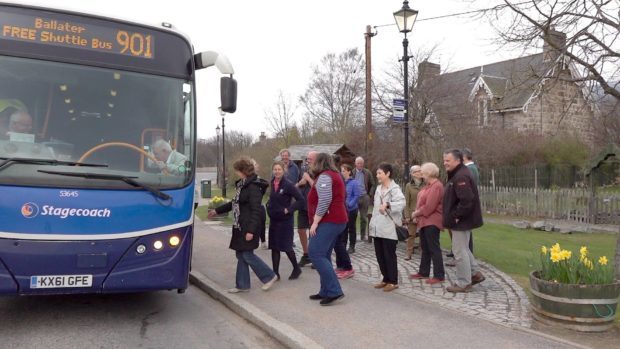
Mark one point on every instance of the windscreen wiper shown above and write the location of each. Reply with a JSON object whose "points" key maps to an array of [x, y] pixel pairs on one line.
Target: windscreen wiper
{"points": [[127, 179], [10, 161]]}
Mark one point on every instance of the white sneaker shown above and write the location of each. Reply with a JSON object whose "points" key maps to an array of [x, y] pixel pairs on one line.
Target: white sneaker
{"points": [[237, 290], [270, 283]]}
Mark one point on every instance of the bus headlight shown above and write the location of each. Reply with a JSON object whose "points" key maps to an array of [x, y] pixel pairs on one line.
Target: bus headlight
{"points": [[158, 245], [141, 249], [174, 241]]}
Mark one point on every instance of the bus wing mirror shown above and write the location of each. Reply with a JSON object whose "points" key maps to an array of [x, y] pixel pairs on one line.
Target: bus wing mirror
{"points": [[228, 94]]}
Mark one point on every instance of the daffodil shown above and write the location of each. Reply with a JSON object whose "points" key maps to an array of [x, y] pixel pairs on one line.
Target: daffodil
{"points": [[588, 263], [556, 248], [543, 250], [555, 257], [566, 254], [583, 252], [602, 260]]}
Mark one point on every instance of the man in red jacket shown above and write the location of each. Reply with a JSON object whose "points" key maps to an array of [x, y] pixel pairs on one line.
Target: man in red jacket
{"points": [[461, 214]]}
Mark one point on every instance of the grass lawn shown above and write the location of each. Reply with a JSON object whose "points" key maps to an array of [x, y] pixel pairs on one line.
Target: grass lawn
{"points": [[514, 250]]}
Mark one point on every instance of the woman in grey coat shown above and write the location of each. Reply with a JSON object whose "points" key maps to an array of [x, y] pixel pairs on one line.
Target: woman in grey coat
{"points": [[386, 213]]}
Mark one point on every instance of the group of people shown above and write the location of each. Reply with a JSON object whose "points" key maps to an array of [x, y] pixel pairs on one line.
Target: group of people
{"points": [[329, 196]]}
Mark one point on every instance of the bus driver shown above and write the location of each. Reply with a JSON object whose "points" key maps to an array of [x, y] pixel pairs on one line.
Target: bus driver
{"points": [[168, 158], [20, 122]]}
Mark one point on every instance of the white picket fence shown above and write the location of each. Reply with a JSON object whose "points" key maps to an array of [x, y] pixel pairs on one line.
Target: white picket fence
{"points": [[571, 204]]}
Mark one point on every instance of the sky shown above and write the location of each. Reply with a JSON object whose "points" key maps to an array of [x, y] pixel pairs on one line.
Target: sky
{"points": [[273, 44]]}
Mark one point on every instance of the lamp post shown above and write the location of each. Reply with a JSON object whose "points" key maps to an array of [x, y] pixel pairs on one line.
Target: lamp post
{"points": [[217, 157], [222, 113], [405, 18]]}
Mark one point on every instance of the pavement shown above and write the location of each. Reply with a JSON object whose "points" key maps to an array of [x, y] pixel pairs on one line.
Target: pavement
{"points": [[494, 315]]}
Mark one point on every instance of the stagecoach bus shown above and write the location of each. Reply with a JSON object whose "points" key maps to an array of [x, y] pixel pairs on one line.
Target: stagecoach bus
{"points": [[97, 152]]}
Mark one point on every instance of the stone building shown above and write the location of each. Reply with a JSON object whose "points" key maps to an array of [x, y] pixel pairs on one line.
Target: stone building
{"points": [[536, 94]]}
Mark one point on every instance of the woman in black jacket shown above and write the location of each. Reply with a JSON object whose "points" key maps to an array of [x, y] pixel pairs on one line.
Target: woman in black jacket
{"points": [[281, 208], [246, 207]]}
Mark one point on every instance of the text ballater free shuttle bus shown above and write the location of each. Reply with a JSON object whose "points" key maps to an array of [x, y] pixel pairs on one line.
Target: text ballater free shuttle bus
{"points": [[97, 152]]}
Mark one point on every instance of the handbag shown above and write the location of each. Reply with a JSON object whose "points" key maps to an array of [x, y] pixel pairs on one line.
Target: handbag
{"points": [[402, 233]]}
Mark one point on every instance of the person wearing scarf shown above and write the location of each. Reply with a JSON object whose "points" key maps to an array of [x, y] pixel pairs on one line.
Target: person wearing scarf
{"points": [[246, 207]]}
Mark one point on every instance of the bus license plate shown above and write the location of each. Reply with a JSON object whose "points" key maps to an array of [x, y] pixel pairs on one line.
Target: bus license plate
{"points": [[58, 281]]}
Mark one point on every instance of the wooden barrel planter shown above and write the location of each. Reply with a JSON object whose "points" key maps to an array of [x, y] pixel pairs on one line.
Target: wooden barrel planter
{"points": [[585, 308]]}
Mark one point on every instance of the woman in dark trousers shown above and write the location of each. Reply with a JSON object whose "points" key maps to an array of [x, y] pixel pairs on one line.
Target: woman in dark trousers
{"points": [[387, 212], [246, 207], [328, 218], [281, 208], [428, 216]]}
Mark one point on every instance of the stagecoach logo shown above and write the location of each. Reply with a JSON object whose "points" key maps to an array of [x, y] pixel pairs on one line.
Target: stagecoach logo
{"points": [[30, 210]]}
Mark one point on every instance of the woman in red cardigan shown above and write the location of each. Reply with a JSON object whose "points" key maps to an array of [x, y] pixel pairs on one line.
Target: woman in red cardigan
{"points": [[428, 215], [328, 216]]}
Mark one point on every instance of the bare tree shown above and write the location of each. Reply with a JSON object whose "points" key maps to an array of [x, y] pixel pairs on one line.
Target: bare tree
{"points": [[592, 45], [280, 119], [591, 26], [334, 98]]}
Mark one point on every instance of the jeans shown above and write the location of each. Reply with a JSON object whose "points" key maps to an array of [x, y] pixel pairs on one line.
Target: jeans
{"points": [[247, 259], [320, 250], [343, 261], [466, 264], [385, 251], [431, 251], [351, 229]]}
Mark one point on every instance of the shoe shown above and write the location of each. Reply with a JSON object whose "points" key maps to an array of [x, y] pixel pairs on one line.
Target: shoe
{"points": [[390, 287], [345, 274], [417, 276], [264, 246], [330, 300], [304, 260], [270, 283], [477, 278], [433, 281], [458, 289], [451, 255], [316, 297], [351, 250], [450, 264], [237, 290], [380, 285], [295, 274]]}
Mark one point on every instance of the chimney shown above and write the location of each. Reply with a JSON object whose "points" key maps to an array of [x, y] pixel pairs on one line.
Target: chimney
{"points": [[262, 138], [427, 71], [553, 38]]}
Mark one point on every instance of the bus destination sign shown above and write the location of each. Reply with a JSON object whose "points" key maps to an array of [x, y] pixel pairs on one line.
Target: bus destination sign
{"points": [[61, 32]]}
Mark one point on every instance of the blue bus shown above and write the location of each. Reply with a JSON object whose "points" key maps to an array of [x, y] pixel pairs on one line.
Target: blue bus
{"points": [[97, 152]]}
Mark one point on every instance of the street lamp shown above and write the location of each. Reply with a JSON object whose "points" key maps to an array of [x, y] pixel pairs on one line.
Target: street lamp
{"points": [[217, 157], [405, 18], [222, 113]]}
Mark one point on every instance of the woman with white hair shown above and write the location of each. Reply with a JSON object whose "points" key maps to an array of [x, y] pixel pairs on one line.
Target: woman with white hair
{"points": [[429, 215]]}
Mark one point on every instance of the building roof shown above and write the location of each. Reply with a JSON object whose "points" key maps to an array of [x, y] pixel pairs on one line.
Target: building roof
{"points": [[511, 82], [299, 152]]}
